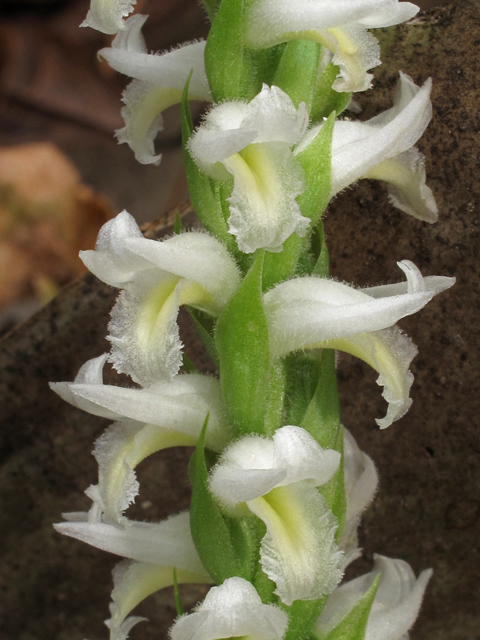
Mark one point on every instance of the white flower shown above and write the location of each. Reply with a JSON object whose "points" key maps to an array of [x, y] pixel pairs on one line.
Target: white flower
{"points": [[361, 481], [154, 550], [252, 143], [157, 277], [277, 480], [339, 25], [158, 84], [311, 312], [107, 15], [232, 610], [382, 149], [167, 414], [396, 605]]}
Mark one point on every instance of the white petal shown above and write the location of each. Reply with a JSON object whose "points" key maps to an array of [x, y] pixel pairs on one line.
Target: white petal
{"points": [[107, 15], [232, 610], [359, 147], [135, 581], [270, 22], [305, 312], [407, 189], [361, 481], [131, 37], [168, 70], [167, 543], [298, 551]]}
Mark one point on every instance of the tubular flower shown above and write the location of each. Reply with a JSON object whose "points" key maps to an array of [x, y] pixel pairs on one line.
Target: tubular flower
{"points": [[311, 312], [251, 143], [108, 16], [159, 80], [361, 481], [339, 25], [277, 481], [382, 149], [154, 551], [396, 605], [167, 414], [232, 610], [157, 278]]}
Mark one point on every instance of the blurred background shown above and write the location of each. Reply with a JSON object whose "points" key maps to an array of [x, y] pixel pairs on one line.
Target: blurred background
{"points": [[62, 174]]}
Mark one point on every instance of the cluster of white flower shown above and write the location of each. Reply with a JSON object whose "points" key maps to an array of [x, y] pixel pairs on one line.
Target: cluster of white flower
{"points": [[274, 521]]}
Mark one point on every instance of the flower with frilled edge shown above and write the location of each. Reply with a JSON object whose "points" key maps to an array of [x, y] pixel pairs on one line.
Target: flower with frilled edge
{"points": [[339, 25], [159, 80], [310, 312], [167, 414], [395, 607], [382, 148], [251, 143], [153, 550], [232, 610], [277, 481], [157, 277]]}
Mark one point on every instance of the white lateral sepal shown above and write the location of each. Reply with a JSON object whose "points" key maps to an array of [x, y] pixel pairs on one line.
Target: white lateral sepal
{"points": [[232, 610], [341, 26], [277, 480], [312, 312], [251, 143], [157, 278], [396, 605]]}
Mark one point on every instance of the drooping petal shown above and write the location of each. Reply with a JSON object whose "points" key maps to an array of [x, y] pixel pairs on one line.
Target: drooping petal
{"points": [[277, 480], [232, 610], [108, 16], [135, 581], [407, 189], [168, 543], [361, 481], [396, 605]]}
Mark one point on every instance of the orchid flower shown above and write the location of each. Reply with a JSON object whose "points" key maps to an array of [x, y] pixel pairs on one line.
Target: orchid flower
{"points": [[154, 551], [251, 143], [361, 481], [232, 610], [339, 25], [167, 414], [311, 312], [396, 605], [108, 16], [158, 83], [382, 148], [277, 481], [157, 277]]}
